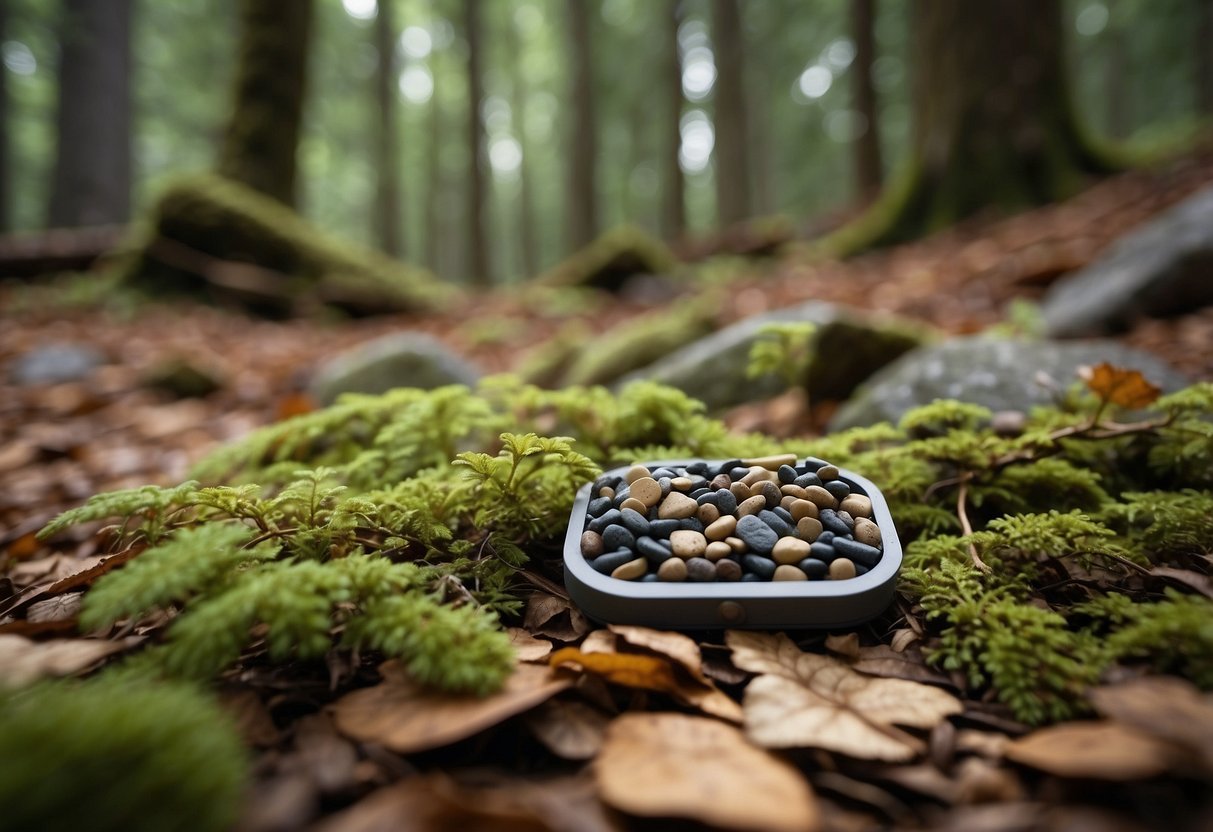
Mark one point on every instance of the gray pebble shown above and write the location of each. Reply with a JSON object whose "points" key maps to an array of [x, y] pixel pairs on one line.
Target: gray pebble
{"points": [[859, 553], [652, 550], [634, 521], [726, 501], [833, 522], [777, 524], [814, 568], [826, 537], [757, 535], [764, 568], [805, 480], [617, 537], [708, 497], [838, 488], [787, 474], [693, 524], [737, 472], [823, 551], [608, 563], [649, 578], [700, 570], [610, 518], [784, 515], [663, 528], [666, 484], [598, 506], [750, 577], [663, 472], [699, 467]]}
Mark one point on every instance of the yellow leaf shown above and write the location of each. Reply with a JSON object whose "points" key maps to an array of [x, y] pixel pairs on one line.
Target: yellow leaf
{"points": [[1120, 386], [629, 670]]}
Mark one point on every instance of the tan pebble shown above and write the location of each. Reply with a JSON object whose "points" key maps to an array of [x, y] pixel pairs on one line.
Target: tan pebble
{"points": [[721, 481], [741, 491], [786, 572], [809, 528], [755, 476], [708, 514], [636, 472], [790, 550], [786, 502], [646, 490], [677, 507], [681, 483], [718, 549], [737, 545], [672, 570], [803, 508], [722, 528], [771, 492], [772, 463], [857, 505], [841, 569], [687, 543], [828, 472], [634, 505], [866, 531], [607, 491], [631, 570], [794, 490], [820, 497], [751, 506]]}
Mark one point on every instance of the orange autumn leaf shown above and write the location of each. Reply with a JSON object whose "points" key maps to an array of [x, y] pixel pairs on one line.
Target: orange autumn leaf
{"points": [[627, 669], [1120, 386]]}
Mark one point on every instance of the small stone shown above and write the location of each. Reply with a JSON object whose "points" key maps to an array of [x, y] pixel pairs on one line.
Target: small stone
{"points": [[728, 465], [803, 508], [591, 545], [618, 537], [701, 570], [659, 473], [728, 570], [771, 463], [856, 505], [820, 497], [726, 501], [705, 496], [648, 578], [693, 524], [867, 531], [758, 536], [666, 485], [750, 578], [833, 521], [631, 570], [784, 515], [721, 481], [838, 488], [737, 472], [790, 550], [673, 570], [777, 523], [822, 551], [841, 569], [682, 483], [814, 568], [794, 491], [737, 545], [634, 521], [787, 501], [764, 568], [740, 491], [771, 492], [756, 476], [1008, 423], [787, 474], [608, 563], [699, 467], [607, 491], [812, 463], [787, 572], [632, 504], [663, 528], [688, 544], [708, 514], [858, 552], [652, 550], [610, 518], [677, 507], [718, 549], [647, 491], [598, 507], [722, 528], [809, 528], [805, 480], [827, 473], [753, 505], [636, 472], [825, 537]]}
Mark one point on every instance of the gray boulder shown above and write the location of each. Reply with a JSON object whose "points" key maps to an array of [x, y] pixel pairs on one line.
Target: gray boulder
{"points": [[1159, 270], [406, 360], [1001, 374], [55, 363], [850, 346]]}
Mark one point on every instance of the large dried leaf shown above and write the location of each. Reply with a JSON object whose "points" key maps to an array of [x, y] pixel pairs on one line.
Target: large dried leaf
{"points": [[676, 646], [808, 700], [674, 765], [547, 615], [23, 661], [1093, 750], [1164, 707], [572, 730], [405, 717], [1120, 386], [909, 663], [527, 647]]}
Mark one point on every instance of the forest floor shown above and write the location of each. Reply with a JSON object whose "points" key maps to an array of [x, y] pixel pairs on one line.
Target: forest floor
{"points": [[61, 443]]}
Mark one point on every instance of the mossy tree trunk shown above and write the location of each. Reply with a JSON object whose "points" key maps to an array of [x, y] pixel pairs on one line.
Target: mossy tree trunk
{"points": [[478, 180], [729, 115], [388, 197], [92, 182], [582, 196], [262, 135], [528, 243], [868, 169], [673, 192], [993, 122]]}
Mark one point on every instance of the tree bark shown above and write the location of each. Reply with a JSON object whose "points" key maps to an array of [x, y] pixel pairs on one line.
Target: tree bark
{"points": [[434, 226], [673, 188], [262, 134], [5, 175], [582, 196], [388, 198], [1204, 57], [529, 245], [868, 169], [732, 161], [478, 200], [92, 181]]}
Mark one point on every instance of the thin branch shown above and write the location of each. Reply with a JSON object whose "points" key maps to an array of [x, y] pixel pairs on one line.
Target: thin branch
{"points": [[966, 528]]}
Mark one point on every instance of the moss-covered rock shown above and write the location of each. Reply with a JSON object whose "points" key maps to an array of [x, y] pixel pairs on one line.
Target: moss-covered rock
{"points": [[608, 262], [214, 238]]}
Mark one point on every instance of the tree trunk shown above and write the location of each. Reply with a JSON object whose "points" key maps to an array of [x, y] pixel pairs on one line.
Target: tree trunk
{"points": [[478, 200], [529, 246], [582, 197], [868, 173], [993, 124], [732, 164], [262, 134], [92, 183], [434, 226], [673, 190], [388, 215], [1204, 57], [5, 176], [1114, 83]]}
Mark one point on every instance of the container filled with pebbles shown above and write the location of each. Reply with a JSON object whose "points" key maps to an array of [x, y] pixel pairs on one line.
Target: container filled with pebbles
{"points": [[768, 542]]}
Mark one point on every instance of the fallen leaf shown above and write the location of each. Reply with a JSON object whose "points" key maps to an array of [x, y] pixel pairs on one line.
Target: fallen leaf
{"points": [[252, 718], [1189, 578], [902, 639], [1120, 386], [527, 647], [60, 608], [328, 759], [675, 765], [599, 641], [989, 744], [405, 717], [676, 646], [845, 646], [909, 663], [572, 730], [1093, 750], [23, 661], [1165, 708], [547, 615], [808, 700]]}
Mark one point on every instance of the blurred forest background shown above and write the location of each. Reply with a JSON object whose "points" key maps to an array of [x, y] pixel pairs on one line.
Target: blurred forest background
{"points": [[563, 117]]}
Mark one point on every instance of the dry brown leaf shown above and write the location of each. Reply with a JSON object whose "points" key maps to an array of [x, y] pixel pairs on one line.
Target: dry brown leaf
{"points": [[599, 641], [1163, 707], [676, 646], [405, 717], [989, 744], [808, 700], [23, 661], [1189, 578], [547, 615], [1093, 750], [674, 765], [572, 730], [845, 646], [909, 663], [527, 647], [1120, 386], [252, 718], [902, 639]]}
